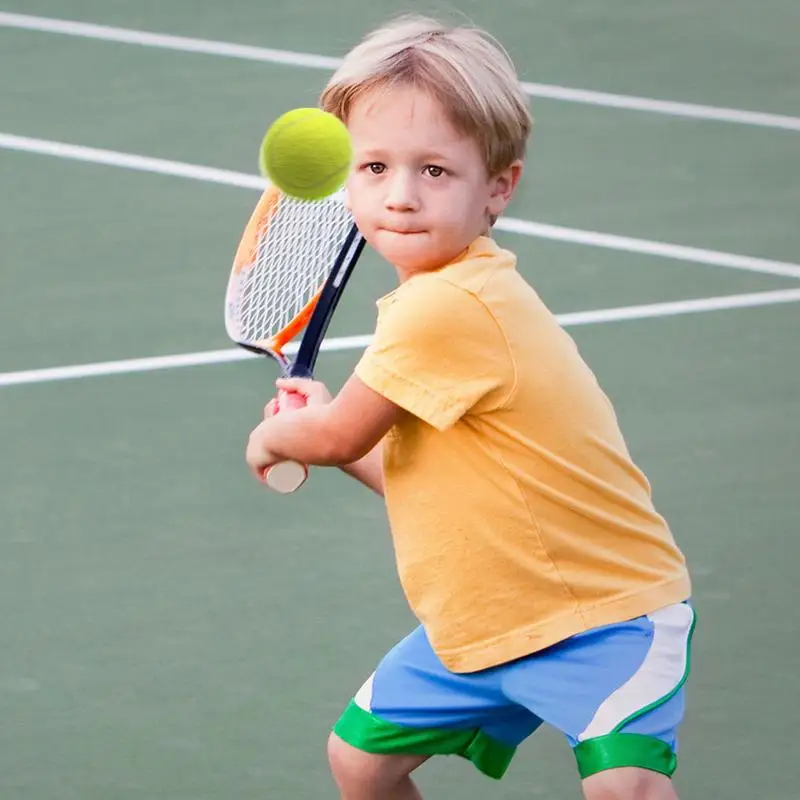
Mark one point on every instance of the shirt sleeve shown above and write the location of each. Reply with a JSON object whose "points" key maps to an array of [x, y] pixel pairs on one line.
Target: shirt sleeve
{"points": [[437, 352]]}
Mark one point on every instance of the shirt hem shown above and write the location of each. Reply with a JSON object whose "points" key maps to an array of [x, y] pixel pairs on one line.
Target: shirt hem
{"points": [[526, 641]]}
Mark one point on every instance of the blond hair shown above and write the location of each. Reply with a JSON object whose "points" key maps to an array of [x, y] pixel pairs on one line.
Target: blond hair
{"points": [[465, 69]]}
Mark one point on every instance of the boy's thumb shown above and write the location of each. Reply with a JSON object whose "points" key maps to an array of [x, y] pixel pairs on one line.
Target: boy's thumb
{"points": [[292, 384]]}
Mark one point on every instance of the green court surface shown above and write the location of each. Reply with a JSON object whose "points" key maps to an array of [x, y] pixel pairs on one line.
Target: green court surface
{"points": [[170, 631]]}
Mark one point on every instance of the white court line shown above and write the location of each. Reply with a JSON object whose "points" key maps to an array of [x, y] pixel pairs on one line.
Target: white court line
{"points": [[311, 60], [113, 158], [613, 242], [574, 319], [508, 224]]}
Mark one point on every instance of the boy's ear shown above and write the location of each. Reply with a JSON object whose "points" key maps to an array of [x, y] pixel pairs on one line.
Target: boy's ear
{"points": [[503, 186]]}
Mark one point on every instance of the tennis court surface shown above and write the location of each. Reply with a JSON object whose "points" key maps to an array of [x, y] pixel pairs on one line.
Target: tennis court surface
{"points": [[168, 630]]}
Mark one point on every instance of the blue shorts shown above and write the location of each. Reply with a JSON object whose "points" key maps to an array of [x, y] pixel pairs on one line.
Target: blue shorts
{"points": [[615, 692]]}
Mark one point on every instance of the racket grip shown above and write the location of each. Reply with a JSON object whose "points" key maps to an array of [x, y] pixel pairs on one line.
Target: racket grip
{"points": [[286, 477]]}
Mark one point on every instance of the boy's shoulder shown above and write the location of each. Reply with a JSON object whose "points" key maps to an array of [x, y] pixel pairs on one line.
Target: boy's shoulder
{"points": [[478, 296], [477, 265]]}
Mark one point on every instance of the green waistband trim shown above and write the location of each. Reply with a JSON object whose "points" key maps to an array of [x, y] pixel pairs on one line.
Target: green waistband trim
{"points": [[372, 734], [624, 750]]}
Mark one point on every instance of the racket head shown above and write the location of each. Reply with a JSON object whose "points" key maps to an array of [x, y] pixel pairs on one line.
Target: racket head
{"points": [[287, 251]]}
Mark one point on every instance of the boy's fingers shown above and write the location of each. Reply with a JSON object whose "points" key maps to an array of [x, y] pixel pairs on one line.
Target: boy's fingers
{"points": [[288, 399], [308, 391], [300, 385], [271, 408]]}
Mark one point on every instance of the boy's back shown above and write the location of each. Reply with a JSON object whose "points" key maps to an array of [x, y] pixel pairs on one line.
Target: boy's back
{"points": [[509, 479]]}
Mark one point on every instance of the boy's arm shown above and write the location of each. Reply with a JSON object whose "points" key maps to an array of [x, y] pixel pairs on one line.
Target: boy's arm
{"points": [[369, 469], [342, 433]]}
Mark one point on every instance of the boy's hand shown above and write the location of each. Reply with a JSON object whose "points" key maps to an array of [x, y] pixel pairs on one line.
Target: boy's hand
{"points": [[258, 454], [293, 393], [305, 393], [271, 408], [313, 393]]}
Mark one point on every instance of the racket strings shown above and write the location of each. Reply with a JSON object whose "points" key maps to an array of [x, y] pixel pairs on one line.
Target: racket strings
{"points": [[296, 248]]}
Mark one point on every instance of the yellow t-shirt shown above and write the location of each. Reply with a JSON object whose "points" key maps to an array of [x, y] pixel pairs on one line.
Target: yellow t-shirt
{"points": [[517, 515]]}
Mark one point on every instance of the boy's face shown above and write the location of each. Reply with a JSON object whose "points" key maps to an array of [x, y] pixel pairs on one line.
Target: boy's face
{"points": [[419, 190]]}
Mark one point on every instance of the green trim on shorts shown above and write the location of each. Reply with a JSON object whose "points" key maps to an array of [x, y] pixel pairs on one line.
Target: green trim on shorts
{"points": [[618, 749], [624, 750], [372, 734]]}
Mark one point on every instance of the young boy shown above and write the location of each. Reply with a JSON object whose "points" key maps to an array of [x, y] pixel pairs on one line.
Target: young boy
{"points": [[547, 586]]}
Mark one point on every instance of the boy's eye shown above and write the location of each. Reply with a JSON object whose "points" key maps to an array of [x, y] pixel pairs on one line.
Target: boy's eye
{"points": [[434, 171], [376, 168]]}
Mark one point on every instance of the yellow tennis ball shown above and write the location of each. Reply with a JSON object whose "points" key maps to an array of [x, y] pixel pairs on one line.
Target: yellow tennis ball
{"points": [[306, 153]]}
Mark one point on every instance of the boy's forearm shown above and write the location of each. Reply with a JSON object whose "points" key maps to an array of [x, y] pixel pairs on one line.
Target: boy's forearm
{"points": [[369, 469], [305, 435]]}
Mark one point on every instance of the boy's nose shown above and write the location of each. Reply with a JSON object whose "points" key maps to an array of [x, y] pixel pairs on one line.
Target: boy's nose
{"points": [[402, 194]]}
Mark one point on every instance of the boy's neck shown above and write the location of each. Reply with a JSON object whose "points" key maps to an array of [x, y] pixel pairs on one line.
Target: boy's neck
{"points": [[404, 275]]}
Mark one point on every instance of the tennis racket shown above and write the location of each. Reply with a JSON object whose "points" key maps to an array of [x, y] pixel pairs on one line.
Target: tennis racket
{"points": [[288, 274]]}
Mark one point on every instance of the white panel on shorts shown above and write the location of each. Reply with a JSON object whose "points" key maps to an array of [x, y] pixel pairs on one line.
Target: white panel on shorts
{"points": [[363, 698], [661, 673]]}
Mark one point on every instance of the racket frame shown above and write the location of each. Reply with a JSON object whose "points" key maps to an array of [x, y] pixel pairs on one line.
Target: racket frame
{"points": [[288, 476]]}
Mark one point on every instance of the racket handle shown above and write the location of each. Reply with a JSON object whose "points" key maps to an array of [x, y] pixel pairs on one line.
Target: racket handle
{"points": [[286, 477]]}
